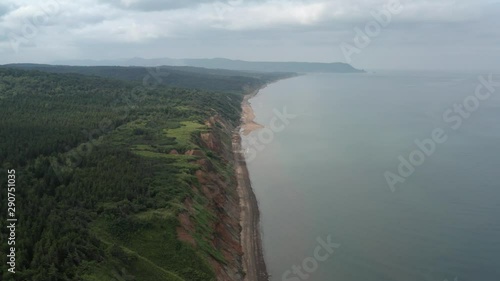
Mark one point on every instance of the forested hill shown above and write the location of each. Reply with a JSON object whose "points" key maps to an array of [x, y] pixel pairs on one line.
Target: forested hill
{"points": [[108, 176], [266, 66], [171, 76], [301, 67]]}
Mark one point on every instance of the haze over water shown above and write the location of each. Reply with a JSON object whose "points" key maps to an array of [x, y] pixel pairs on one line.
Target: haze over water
{"points": [[324, 175]]}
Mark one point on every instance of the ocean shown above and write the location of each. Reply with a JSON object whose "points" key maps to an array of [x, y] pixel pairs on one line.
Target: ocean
{"points": [[379, 177]]}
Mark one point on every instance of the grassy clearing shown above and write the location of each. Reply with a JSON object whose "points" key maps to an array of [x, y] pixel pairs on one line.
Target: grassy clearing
{"points": [[183, 135]]}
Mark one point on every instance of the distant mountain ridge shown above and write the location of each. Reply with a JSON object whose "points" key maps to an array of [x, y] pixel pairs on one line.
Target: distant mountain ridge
{"points": [[222, 63]]}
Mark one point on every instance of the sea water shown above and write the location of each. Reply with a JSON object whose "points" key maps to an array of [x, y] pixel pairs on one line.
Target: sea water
{"points": [[334, 205]]}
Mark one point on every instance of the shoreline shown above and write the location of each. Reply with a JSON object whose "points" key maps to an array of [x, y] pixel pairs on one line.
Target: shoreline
{"points": [[253, 256], [247, 115]]}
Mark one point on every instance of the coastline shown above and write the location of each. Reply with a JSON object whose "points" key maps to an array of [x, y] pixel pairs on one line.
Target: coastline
{"points": [[253, 256], [247, 115]]}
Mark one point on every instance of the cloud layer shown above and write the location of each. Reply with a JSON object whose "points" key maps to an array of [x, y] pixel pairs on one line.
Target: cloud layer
{"points": [[452, 31]]}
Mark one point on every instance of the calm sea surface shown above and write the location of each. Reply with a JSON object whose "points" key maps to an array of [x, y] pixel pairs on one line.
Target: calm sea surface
{"points": [[322, 175]]}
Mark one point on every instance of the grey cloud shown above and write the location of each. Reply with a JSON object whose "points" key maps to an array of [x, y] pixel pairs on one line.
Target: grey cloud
{"points": [[260, 30], [5, 9], [154, 5]]}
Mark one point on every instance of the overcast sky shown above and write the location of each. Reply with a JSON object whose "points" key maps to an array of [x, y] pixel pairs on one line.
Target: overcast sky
{"points": [[423, 34]]}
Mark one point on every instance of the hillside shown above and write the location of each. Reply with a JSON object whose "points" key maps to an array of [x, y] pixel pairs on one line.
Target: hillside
{"points": [[119, 180]]}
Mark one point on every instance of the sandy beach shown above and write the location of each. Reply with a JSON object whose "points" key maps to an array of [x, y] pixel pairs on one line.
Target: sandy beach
{"points": [[247, 115], [253, 258]]}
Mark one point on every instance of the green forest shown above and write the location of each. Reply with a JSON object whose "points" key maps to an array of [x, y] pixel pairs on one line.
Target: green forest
{"points": [[97, 191]]}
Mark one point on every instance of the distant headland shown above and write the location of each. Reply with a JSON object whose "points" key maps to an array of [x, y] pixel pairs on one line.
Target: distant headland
{"points": [[223, 63]]}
